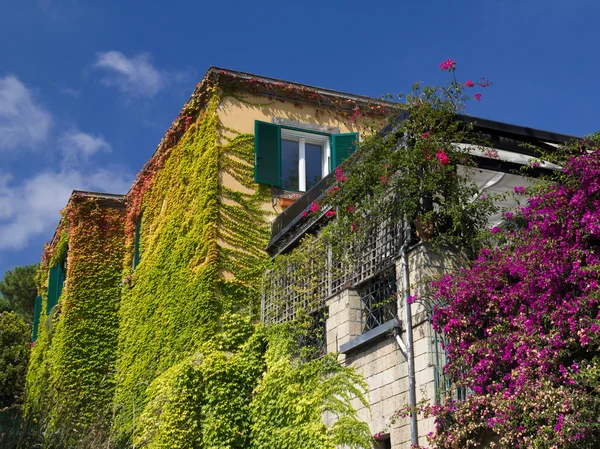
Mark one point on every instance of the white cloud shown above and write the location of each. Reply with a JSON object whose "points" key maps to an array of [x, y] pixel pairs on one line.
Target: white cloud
{"points": [[134, 76], [77, 146], [23, 123], [32, 208], [74, 93]]}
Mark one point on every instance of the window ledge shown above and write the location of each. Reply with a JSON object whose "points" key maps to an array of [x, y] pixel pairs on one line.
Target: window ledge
{"points": [[369, 337]]}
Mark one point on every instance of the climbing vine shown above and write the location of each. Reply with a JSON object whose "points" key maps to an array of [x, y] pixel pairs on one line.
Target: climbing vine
{"points": [[167, 353], [76, 348], [201, 255]]}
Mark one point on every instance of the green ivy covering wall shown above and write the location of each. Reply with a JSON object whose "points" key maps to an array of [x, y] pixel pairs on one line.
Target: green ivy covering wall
{"points": [[193, 230], [73, 374], [192, 368]]}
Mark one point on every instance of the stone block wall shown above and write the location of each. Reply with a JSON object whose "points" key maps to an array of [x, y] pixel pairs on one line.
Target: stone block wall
{"points": [[380, 360]]}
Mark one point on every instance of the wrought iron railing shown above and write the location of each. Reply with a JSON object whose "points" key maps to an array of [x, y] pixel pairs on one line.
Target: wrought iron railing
{"points": [[313, 272], [379, 298]]}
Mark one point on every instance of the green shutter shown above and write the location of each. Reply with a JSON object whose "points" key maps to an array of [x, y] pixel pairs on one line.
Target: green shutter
{"points": [[53, 288], [267, 153], [342, 146], [61, 280], [136, 243], [37, 309]]}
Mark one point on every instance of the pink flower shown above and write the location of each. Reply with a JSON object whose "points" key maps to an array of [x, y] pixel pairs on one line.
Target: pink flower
{"points": [[448, 64], [355, 113], [305, 214], [484, 83], [351, 208], [314, 207], [469, 83], [339, 175], [519, 190], [353, 227], [491, 152], [330, 213], [477, 97], [508, 215], [442, 157], [495, 230], [425, 135], [383, 179], [333, 189]]}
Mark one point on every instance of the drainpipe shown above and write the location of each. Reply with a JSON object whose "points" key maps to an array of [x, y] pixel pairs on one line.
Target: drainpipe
{"points": [[408, 348]]}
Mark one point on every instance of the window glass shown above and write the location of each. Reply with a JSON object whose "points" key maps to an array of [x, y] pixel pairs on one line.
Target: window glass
{"points": [[314, 164], [289, 164]]}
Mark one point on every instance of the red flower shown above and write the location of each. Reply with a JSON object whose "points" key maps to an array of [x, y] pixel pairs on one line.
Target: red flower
{"points": [[477, 97], [351, 208], [448, 64], [442, 157], [339, 175], [469, 83], [305, 214], [314, 207], [425, 135], [330, 213]]}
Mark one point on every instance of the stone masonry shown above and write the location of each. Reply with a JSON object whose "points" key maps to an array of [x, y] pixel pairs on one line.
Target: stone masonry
{"points": [[380, 360]]}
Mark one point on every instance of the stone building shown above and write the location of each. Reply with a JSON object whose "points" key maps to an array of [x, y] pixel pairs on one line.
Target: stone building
{"points": [[225, 189], [363, 308]]}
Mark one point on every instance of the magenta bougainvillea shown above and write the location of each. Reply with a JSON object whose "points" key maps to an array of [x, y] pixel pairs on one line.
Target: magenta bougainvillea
{"points": [[523, 323]]}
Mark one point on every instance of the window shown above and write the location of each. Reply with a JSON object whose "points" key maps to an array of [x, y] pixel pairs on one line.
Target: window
{"points": [[296, 159], [383, 442], [379, 300], [136, 244], [37, 310], [56, 282]]}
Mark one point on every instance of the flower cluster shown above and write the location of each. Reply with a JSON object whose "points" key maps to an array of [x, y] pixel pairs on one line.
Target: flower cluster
{"points": [[523, 324], [448, 64]]}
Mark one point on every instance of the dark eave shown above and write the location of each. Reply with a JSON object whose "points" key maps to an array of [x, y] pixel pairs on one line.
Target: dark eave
{"points": [[111, 200], [234, 75]]}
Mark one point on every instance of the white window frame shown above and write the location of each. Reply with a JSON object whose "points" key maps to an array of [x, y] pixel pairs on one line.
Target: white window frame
{"points": [[303, 138]]}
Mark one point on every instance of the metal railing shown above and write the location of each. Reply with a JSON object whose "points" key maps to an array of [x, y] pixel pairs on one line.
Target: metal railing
{"points": [[314, 271], [379, 298]]}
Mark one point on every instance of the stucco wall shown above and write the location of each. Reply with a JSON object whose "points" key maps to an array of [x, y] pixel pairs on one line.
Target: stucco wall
{"points": [[240, 115]]}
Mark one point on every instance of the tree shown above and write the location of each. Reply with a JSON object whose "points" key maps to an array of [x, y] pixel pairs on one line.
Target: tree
{"points": [[14, 356], [523, 324], [19, 290]]}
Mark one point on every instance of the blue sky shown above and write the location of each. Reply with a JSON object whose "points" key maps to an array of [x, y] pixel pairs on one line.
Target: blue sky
{"points": [[87, 89]]}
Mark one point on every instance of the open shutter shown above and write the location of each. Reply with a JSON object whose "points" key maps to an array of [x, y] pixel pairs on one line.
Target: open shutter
{"points": [[37, 309], [61, 280], [267, 153], [342, 146], [53, 288], [136, 243]]}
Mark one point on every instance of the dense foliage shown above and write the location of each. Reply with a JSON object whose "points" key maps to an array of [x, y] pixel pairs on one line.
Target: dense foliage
{"points": [[14, 356], [19, 290], [523, 323], [419, 169], [195, 233], [72, 383]]}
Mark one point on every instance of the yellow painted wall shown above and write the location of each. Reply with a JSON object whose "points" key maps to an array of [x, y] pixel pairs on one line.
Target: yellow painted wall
{"points": [[241, 115]]}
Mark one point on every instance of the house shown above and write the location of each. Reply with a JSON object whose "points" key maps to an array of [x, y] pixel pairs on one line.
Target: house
{"points": [[131, 283], [363, 307]]}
